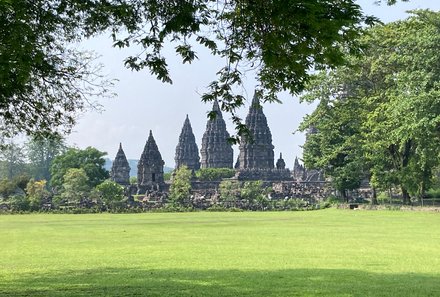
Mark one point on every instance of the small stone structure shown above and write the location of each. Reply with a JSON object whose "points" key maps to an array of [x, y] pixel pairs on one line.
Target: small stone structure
{"points": [[216, 151], [120, 172], [280, 162], [187, 152], [299, 172]]}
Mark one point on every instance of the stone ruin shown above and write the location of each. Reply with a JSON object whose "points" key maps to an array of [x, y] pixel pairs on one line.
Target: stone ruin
{"points": [[255, 160]]}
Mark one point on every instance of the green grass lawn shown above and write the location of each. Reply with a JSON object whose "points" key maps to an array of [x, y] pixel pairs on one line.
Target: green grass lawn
{"points": [[318, 253]]}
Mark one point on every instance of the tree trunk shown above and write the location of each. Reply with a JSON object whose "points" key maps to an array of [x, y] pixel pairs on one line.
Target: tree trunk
{"points": [[374, 198], [344, 196], [405, 197]]}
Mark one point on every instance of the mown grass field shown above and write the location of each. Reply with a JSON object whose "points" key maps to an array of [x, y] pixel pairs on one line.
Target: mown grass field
{"points": [[319, 253]]}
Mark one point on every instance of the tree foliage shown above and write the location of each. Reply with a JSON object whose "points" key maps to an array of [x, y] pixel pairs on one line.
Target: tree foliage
{"points": [[110, 192], [41, 151], [90, 160], [180, 189], [36, 193], [45, 81], [12, 160], [229, 190], [381, 110], [210, 174], [75, 185]]}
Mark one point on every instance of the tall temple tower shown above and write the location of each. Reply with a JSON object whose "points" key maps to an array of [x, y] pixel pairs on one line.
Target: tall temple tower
{"points": [[187, 152], [150, 167], [256, 153], [216, 151], [120, 172]]}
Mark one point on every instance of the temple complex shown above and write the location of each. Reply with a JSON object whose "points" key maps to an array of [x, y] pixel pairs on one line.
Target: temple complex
{"points": [[254, 162], [150, 167], [187, 152], [216, 151], [120, 172]]}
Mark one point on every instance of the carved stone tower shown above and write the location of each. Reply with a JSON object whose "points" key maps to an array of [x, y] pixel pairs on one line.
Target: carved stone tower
{"points": [[280, 163], [120, 172], [216, 151], [187, 152], [150, 167], [257, 152]]}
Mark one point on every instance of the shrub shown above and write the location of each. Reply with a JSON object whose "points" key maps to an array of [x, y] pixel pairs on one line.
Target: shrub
{"points": [[229, 190], [180, 189], [19, 203], [167, 176], [433, 193], [75, 186], [7, 188], [133, 180], [210, 174], [36, 191], [110, 192], [332, 199]]}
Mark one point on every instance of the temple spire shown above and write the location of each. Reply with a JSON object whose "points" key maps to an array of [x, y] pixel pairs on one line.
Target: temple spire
{"points": [[187, 152], [216, 151], [257, 151], [120, 171], [150, 167]]}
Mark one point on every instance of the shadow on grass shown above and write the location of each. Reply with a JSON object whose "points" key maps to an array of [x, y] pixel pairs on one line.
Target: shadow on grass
{"points": [[293, 282]]}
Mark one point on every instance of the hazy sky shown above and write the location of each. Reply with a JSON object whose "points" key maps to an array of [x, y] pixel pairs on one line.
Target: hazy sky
{"points": [[144, 103]]}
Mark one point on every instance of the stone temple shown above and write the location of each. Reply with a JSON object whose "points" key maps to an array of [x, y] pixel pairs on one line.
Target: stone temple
{"points": [[150, 167], [216, 151], [120, 172], [255, 160], [187, 152], [256, 151]]}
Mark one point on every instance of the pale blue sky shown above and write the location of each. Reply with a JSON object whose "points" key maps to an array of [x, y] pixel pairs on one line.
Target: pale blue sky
{"points": [[144, 104]]}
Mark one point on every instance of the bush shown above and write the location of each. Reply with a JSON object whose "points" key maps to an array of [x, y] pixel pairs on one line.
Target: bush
{"points": [[433, 193], [167, 176], [110, 192], [294, 204], [383, 198], [7, 188], [229, 191], [333, 200], [133, 180], [19, 203], [36, 192], [211, 174], [180, 189]]}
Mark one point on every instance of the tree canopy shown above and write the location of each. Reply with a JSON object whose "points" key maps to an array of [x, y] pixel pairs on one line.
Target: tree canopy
{"points": [[45, 81], [90, 160], [381, 110]]}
